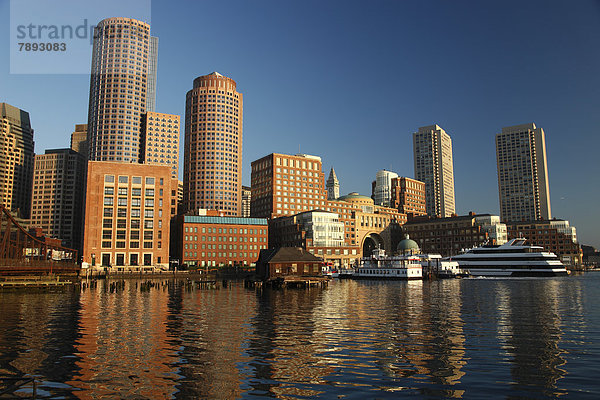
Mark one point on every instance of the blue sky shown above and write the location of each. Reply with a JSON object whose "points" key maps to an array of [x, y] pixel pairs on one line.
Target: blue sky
{"points": [[351, 80]]}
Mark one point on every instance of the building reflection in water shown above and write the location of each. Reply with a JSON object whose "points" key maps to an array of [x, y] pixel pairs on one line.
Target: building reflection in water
{"points": [[122, 348], [434, 339], [209, 329], [38, 334]]}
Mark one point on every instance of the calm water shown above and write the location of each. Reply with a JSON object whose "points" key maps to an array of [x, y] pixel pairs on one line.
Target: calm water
{"points": [[472, 338]]}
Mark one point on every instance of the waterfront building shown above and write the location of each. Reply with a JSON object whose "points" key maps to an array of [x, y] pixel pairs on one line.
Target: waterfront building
{"points": [[333, 186], [497, 232], [246, 199], [79, 142], [212, 168], [555, 235], [366, 226], [287, 261], [522, 173], [319, 232], [432, 148], [450, 236], [382, 187], [128, 214], [212, 239], [160, 140], [16, 159], [122, 58], [284, 185], [408, 196], [57, 201]]}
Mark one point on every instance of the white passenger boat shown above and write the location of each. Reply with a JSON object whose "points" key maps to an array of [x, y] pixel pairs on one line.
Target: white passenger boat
{"points": [[514, 258], [379, 266]]}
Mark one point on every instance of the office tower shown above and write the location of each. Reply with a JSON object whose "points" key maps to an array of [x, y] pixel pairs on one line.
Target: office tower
{"points": [[58, 195], [119, 85], [79, 142], [382, 190], [246, 198], [522, 173], [128, 224], [152, 72], [160, 140], [286, 185], [212, 168], [333, 186], [432, 148], [16, 159], [408, 196]]}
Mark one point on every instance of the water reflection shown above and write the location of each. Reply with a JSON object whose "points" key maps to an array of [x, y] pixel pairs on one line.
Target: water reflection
{"points": [[449, 339]]}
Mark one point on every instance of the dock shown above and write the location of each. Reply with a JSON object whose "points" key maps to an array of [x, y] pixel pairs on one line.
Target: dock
{"points": [[289, 282], [32, 281]]}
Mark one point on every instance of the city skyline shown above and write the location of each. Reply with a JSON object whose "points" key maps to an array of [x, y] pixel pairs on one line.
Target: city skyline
{"points": [[487, 78]]}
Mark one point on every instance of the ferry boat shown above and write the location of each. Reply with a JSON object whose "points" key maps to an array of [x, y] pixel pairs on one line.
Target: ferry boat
{"points": [[379, 266], [514, 258]]}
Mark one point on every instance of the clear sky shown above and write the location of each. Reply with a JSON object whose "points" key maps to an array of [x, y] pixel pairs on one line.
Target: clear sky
{"points": [[351, 81]]}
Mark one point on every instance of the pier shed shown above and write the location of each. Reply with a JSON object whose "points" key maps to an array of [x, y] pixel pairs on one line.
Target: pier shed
{"points": [[287, 262]]}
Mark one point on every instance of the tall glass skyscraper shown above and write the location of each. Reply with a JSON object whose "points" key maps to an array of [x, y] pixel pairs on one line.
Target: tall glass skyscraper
{"points": [[522, 174], [212, 167], [433, 165], [122, 87]]}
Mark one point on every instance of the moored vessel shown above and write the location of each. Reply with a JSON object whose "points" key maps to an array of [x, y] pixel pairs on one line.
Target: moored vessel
{"points": [[514, 258]]}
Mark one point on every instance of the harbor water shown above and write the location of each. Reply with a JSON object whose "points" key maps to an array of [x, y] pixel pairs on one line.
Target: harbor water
{"points": [[465, 338]]}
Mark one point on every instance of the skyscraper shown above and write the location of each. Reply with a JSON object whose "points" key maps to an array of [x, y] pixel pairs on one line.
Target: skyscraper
{"points": [[160, 140], [123, 75], [408, 196], [286, 185], [212, 168], [16, 159], [333, 186], [433, 165], [79, 141], [382, 190], [58, 192], [522, 174]]}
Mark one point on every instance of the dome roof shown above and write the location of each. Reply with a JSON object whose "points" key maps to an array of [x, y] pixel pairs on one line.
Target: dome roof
{"points": [[407, 245], [354, 196]]}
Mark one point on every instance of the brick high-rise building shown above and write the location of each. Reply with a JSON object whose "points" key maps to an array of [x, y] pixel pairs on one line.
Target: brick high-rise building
{"points": [[522, 174], [122, 71], [128, 214], [16, 159], [79, 141], [408, 196], [58, 195], [286, 185], [160, 140], [432, 148], [212, 168]]}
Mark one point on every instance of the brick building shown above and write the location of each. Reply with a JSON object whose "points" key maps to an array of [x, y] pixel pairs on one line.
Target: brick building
{"points": [[128, 215], [408, 196], [213, 240], [553, 235], [286, 185], [449, 236]]}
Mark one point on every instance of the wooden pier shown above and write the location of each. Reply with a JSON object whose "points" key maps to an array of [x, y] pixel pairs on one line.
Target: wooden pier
{"points": [[41, 281], [304, 282]]}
